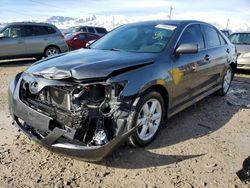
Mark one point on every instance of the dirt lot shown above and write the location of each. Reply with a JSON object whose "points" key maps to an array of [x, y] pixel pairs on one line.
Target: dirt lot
{"points": [[202, 146]]}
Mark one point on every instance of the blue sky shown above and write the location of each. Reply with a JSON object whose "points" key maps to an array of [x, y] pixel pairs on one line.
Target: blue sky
{"points": [[21, 10]]}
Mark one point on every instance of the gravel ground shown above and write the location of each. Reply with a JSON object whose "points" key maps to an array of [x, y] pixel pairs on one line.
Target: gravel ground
{"points": [[203, 146]]}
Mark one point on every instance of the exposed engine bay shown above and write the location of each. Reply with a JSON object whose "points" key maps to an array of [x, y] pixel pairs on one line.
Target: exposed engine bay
{"points": [[91, 112]]}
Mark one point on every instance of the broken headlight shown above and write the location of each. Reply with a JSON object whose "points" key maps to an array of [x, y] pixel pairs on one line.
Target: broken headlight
{"points": [[115, 89], [54, 74]]}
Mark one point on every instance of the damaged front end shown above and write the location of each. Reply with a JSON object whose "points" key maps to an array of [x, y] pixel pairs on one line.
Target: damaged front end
{"points": [[85, 120]]}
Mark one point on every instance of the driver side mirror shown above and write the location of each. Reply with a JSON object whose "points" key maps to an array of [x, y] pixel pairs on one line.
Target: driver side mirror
{"points": [[187, 49], [1, 35]]}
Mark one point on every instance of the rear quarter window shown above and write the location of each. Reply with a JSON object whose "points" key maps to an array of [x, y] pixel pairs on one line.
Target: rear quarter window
{"points": [[49, 30], [222, 40]]}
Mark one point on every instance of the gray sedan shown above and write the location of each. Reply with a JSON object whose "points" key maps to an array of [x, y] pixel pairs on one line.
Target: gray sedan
{"points": [[242, 43]]}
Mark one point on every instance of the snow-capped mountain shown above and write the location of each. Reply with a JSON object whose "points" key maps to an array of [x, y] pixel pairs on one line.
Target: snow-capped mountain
{"points": [[112, 21], [109, 22]]}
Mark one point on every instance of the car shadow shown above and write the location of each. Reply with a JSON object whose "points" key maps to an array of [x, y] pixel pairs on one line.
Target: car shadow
{"points": [[243, 71], [203, 118], [17, 62]]}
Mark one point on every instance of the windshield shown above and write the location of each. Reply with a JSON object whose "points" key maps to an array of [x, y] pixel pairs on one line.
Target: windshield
{"points": [[136, 38], [240, 38]]}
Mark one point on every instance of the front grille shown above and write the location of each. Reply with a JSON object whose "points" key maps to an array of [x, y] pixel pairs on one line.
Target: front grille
{"points": [[51, 96]]}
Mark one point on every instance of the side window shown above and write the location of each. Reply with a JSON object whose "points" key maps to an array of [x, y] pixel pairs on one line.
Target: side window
{"points": [[222, 40], [193, 34], [34, 30], [81, 36], [12, 32], [91, 37], [91, 29], [82, 29], [101, 30], [212, 37]]}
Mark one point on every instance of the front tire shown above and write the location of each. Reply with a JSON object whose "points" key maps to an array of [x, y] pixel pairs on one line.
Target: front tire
{"points": [[149, 112], [226, 82]]}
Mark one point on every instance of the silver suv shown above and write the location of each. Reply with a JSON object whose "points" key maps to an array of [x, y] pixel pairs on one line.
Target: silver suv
{"points": [[26, 39]]}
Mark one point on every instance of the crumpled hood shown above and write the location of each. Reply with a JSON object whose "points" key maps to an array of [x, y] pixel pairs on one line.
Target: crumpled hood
{"points": [[90, 63]]}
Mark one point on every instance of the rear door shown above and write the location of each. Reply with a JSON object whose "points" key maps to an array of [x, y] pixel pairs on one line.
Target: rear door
{"points": [[12, 44], [36, 39], [217, 53]]}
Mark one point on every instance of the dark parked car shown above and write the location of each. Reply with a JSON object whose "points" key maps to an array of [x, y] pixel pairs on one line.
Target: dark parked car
{"points": [[28, 39], [80, 39], [100, 31], [242, 43], [87, 102]]}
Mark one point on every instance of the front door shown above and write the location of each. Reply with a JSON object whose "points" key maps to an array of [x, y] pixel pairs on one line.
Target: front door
{"points": [[12, 43], [189, 70]]}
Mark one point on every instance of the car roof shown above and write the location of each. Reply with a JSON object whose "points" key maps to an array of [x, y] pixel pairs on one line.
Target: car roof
{"points": [[171, 22], [89, 26], [76, 33], [29, 23]]}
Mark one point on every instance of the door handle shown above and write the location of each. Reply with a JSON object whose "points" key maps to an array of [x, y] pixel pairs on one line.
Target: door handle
{"points": [[20, 42], [207, 57]]}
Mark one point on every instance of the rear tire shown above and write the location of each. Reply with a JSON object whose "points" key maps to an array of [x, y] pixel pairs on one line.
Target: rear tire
{"points": [[150, 111], [51, 50], [226, 82]]}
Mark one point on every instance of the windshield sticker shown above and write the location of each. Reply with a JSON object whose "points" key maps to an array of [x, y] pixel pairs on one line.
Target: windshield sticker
{"points": [[167, 27]]}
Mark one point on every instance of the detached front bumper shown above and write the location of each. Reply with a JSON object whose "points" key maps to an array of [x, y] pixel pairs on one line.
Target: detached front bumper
{"points": [[32, 123]]}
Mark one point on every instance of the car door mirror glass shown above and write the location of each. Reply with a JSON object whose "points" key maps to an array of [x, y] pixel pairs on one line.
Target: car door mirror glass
{"points": [[187, 49]]}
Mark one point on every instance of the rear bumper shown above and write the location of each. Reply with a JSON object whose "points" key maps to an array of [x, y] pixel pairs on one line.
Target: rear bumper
{"points": [[63, 46], [34, 124]]}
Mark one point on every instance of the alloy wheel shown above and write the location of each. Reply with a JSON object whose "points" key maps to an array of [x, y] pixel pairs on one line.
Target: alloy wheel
{"points": [[149, 118]]}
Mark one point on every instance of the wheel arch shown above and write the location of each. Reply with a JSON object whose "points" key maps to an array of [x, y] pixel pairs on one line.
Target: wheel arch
{"points": [[164, 93], [233, 66], [51, 45]]}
